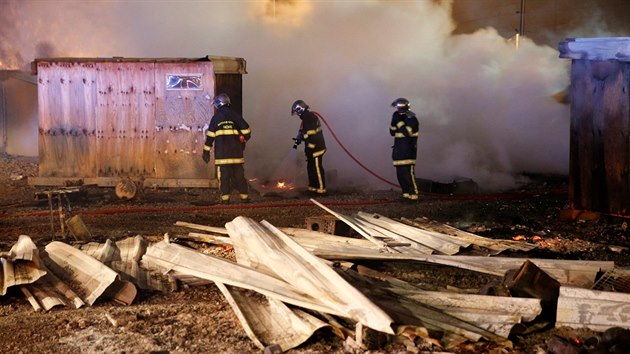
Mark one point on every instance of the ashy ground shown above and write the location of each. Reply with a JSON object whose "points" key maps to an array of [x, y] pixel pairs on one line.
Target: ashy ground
{"points": [[199, 320]]}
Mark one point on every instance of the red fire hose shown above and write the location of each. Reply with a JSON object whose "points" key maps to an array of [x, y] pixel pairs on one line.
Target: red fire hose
{"points": [[352, 156], [196, 208]]}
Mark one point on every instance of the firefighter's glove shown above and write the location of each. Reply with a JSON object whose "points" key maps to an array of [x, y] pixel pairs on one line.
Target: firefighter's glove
{"points": [[242, 139], [296, 142], [206, 156]]}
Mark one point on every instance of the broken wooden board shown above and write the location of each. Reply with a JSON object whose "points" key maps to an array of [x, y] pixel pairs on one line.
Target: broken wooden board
{"points": [[493, 313], [268, 321], [263, 246], [441, 243], [356, 227], [396, 242], [124, 256], [91, 277], [168, 256], [49, 292], [567, 272], [314, 239], [212, 229], [592, 309], [206, 238], [495, 246], [21, 266], [331, 247], [407, 311]]}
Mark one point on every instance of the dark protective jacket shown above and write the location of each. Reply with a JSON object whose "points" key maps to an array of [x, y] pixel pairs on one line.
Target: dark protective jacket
{"points": [[225, 131], [404, 129], [314, 144]]}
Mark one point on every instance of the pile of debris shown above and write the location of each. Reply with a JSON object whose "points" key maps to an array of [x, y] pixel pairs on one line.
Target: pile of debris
{"points": [[286, 283]]}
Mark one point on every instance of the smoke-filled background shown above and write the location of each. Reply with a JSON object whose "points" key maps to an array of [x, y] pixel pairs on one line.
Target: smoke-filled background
{"points": [[487, 110]]}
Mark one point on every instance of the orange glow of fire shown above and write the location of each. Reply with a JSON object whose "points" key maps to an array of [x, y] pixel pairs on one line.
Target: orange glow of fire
{"points": [[280, 184]]}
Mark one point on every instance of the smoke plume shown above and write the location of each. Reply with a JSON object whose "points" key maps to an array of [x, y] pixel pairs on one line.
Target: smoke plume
{"points": [[485, 107]]}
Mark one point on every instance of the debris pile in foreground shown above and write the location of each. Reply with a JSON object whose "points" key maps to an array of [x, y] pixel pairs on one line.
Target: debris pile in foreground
{"points": [[287, 283]]}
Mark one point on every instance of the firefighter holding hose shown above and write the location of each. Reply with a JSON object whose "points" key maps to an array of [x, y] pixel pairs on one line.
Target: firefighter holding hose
{"points": [[228, 132], [314, 146], [404, 129]]}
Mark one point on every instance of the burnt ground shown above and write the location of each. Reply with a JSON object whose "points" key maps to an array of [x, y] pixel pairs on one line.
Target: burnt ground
{"points": [[197, 319]]}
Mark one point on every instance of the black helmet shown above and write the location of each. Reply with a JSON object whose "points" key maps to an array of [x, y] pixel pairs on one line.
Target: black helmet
{"points": [[298, 107], [401, 104], [221, 100]]}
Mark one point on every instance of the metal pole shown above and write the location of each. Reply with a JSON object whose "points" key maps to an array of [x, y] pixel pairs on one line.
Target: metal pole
{"points": [[521, 29]]}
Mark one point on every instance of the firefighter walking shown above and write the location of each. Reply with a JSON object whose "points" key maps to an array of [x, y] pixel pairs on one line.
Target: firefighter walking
{"points": [[228, 132], [314, 146], [404, 129]]}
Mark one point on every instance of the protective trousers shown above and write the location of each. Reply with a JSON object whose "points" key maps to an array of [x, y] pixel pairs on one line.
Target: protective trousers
{"points": [[316, 174], [407, 180], [232, 176]]}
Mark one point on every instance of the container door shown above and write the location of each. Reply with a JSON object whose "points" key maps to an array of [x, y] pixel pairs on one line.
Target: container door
{"points": [[183, 94], [126, 119]]}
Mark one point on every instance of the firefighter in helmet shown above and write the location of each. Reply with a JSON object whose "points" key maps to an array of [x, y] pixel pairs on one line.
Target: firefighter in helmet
{"points": [[228, 132], [314, 146], [404, 129]]}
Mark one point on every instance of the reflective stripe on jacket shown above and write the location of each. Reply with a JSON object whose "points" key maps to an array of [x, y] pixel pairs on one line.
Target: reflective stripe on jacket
{"points": [[404, 129], [224, 132]]}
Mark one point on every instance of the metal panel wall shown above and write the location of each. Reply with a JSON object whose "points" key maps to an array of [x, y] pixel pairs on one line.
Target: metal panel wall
{"points": [[126, 119], [67, 124], [180, 119]]}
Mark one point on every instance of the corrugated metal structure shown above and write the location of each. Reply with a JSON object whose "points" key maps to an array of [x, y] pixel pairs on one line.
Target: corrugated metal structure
{"points": [[600, 124], [102, 120]]}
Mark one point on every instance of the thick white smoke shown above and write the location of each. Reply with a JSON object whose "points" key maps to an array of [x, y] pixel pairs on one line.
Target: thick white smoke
{"points": [[485, 107]]}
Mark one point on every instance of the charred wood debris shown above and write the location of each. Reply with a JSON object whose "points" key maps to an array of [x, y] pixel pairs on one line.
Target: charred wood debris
{"points": [[284, 284]]}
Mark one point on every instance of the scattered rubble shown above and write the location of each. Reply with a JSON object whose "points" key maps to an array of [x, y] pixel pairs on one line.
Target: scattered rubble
{"points": [[287, 284]]}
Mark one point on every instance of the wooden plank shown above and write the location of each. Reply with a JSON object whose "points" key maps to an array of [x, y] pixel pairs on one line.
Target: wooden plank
{"points": [[593, 309], [495, 246], [212, 239], [395, 241], [578, 273], [581, 140], [567, 272], [180, 119], [189, 262], [616, 132], [262, 246], [213, 229], [316, 238], [439, 242], [356, 227], [405, 310]]}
